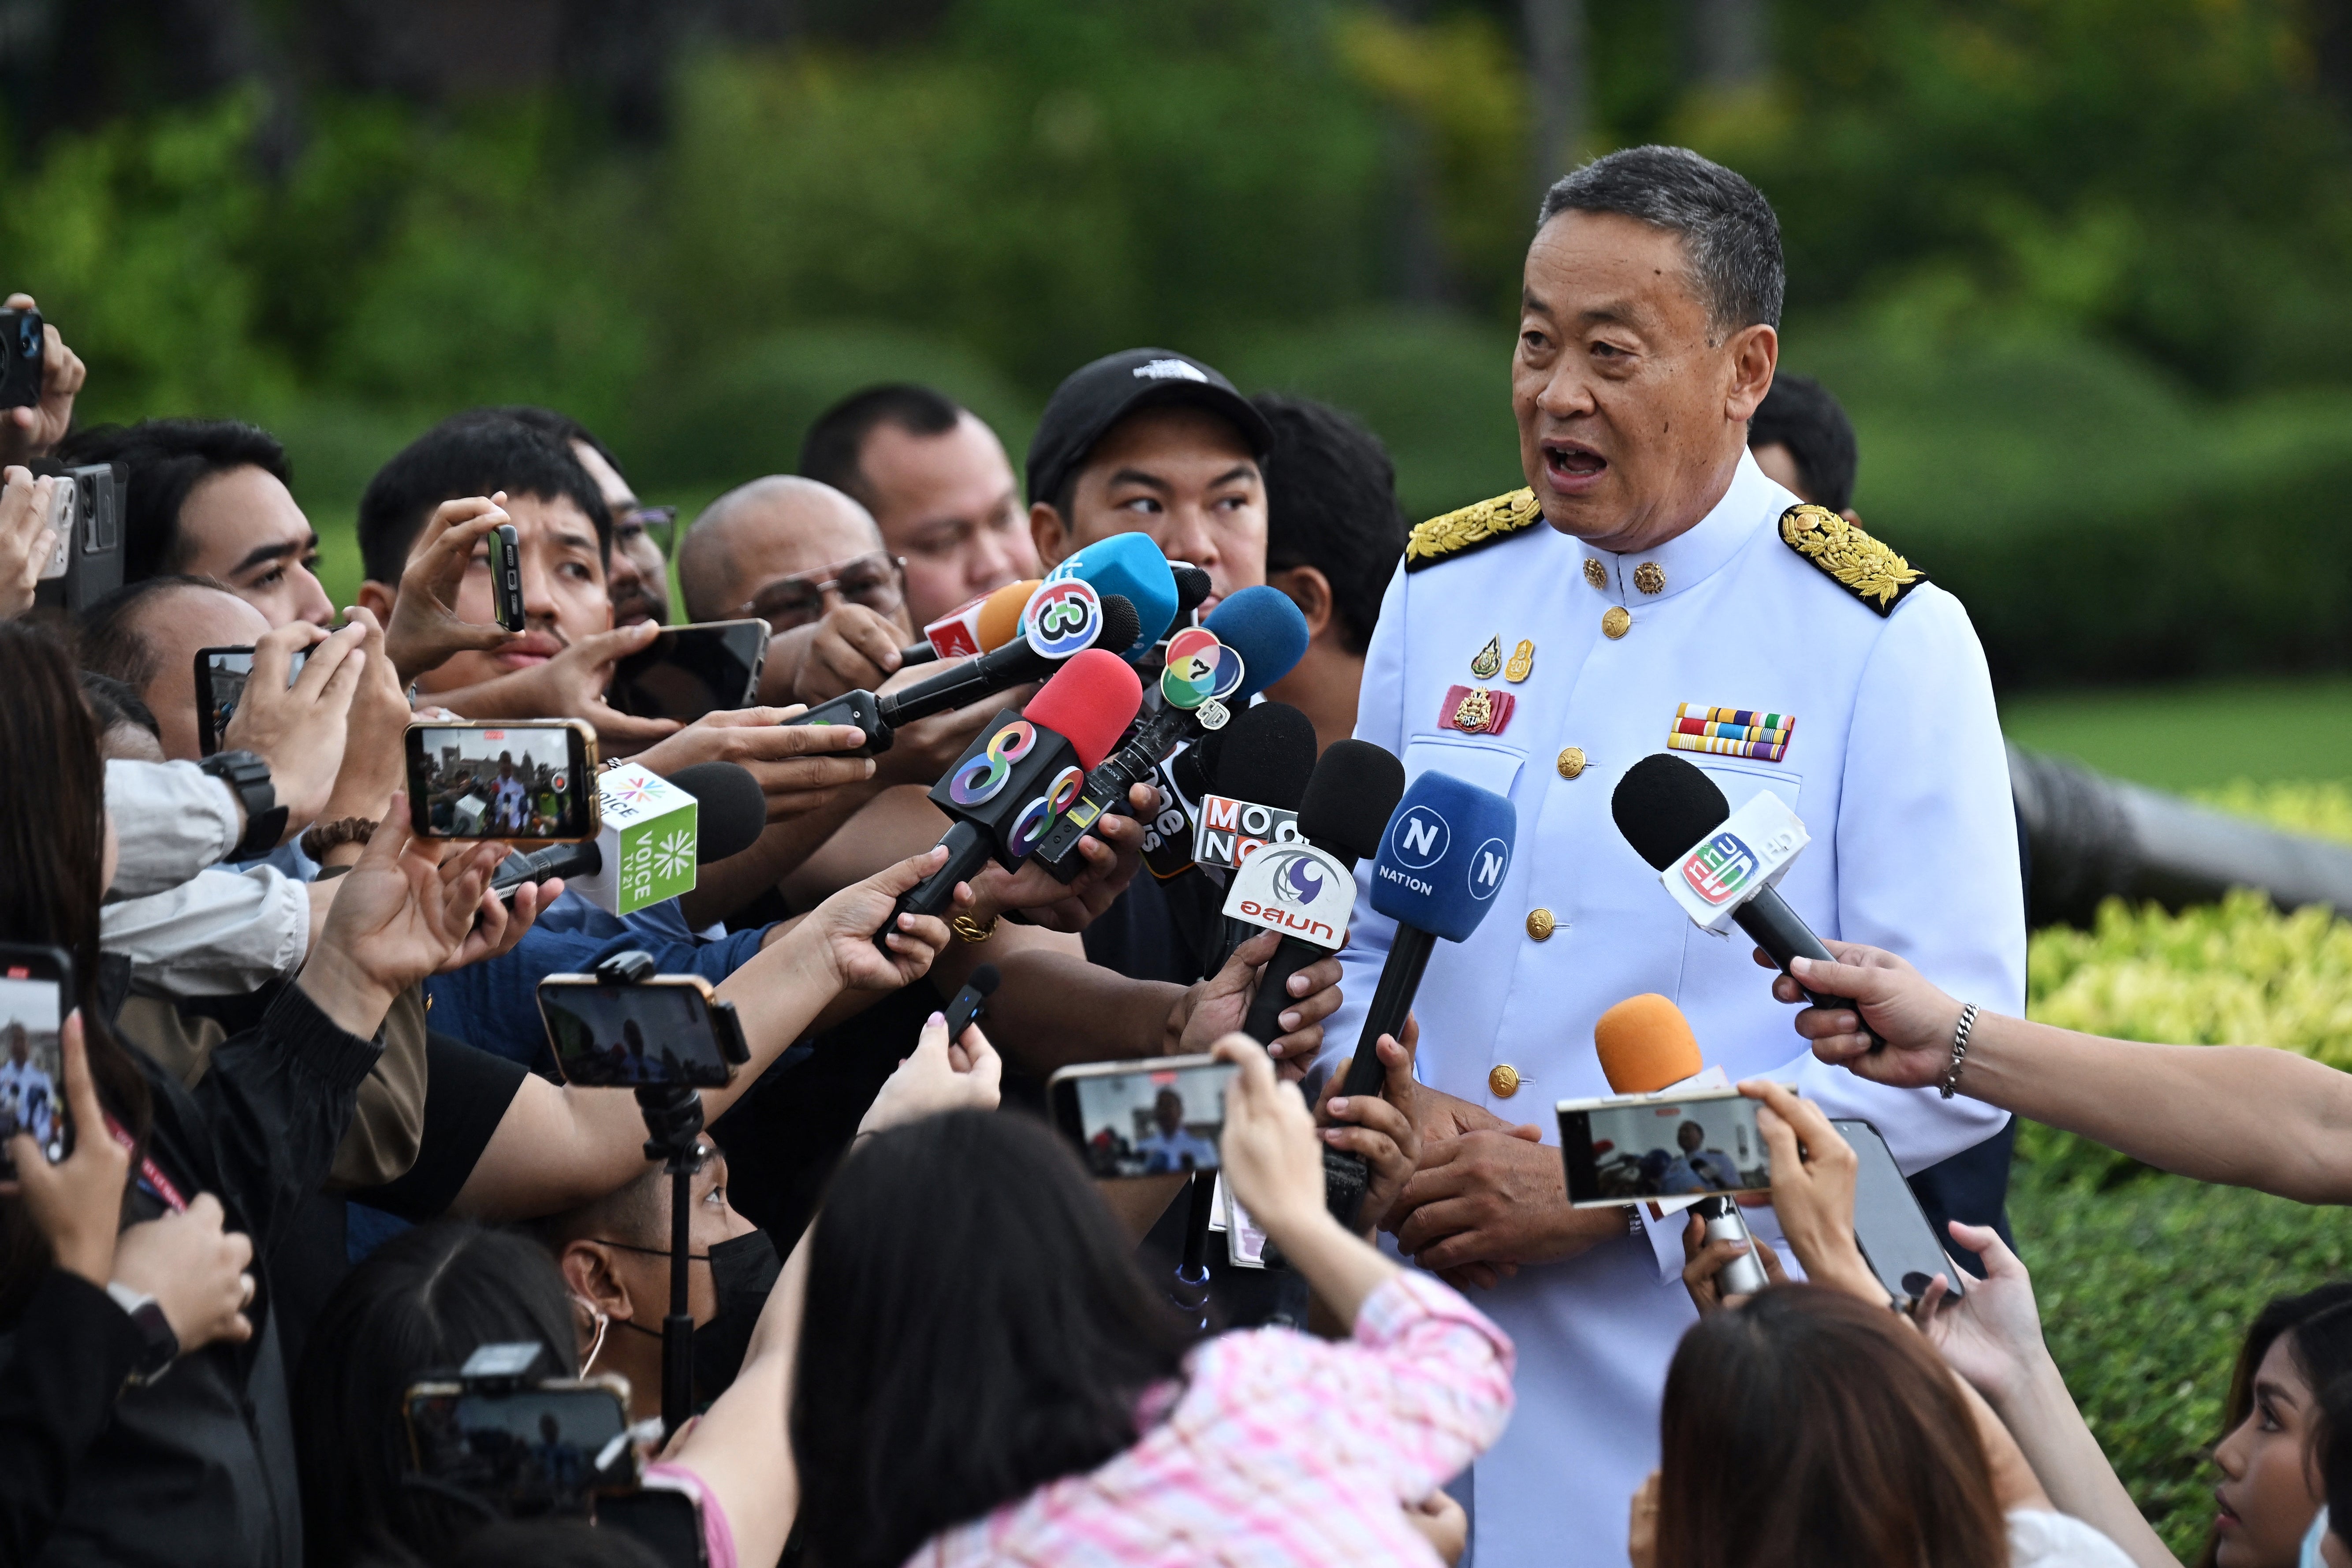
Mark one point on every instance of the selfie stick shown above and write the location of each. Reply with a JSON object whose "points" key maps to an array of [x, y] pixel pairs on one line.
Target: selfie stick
{"points": [[672, 1114]]}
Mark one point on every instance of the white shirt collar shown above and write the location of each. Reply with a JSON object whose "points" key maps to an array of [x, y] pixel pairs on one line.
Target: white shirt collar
{"points": [[1695, 554]]}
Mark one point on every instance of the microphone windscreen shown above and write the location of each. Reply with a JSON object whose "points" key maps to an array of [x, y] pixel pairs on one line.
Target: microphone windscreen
{"points": [[1348, 801], [1444, 856], [983, 980], [1120, 626], [1267, 629], [1192, 585], [1128, 564], [1089, 702], [1665, 804], [1266, 756], [1645, 1044], [730, 812], [1000, 615]]}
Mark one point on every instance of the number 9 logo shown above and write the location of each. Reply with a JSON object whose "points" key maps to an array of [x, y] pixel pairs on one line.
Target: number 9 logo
{"points": [[983, 777], [1062, 619]]}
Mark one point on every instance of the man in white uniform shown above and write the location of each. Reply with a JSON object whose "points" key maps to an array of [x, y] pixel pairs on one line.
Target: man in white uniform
{"points": [[1655, 590]]}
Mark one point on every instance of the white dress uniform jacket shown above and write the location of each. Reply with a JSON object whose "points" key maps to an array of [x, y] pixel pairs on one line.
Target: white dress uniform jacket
{"points": [[1894, 762]]}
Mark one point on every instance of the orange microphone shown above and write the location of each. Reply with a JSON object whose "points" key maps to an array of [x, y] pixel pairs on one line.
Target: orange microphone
{"points": [[1646, 1044], [975, 626]]}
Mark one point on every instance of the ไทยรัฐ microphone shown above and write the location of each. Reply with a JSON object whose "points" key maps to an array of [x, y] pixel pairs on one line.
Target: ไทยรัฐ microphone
{"points": [[1021, 772], [1678, 819], [1646, 1046], [1355, 787], [974, 627], [651, 831]]}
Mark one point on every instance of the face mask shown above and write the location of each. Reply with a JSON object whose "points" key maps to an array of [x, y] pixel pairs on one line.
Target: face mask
{"points": [[743, 1270], [2312, 1539]]}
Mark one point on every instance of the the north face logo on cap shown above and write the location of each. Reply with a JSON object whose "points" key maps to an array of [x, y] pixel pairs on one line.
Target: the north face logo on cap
{"points": [[1170, 370]]}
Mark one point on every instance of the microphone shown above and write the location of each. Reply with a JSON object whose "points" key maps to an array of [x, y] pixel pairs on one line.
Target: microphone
{"points": [[1262, 773], [1346, 808], [1193, 587], [1021, 771], [972, 1000], [719, 805], [1130, 565], [974, 627], [1645, 1047], [1267, 634], [1061, 619], [1670, 811]]}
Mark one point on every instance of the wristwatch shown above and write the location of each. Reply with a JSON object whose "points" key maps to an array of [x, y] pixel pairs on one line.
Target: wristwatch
{"points": [[163, 1346], [247, 777]]}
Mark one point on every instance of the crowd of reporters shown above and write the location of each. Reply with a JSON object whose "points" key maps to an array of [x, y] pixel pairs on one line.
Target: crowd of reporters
{"points": [[322, 1155]]}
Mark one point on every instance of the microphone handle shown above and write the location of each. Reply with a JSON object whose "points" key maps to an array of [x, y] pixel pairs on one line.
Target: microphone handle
{"points": [[967, 682], [969, 845], [567, 860], [918, 653], [1264, 1024], [1135, 761], [1783, 934], [1391, 1004]]}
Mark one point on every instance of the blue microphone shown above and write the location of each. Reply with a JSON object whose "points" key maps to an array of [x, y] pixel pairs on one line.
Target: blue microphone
{"points": [[1442, 862], [1130, 565]]}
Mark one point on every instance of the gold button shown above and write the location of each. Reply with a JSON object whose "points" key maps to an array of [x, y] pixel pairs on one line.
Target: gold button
{"points": [[1615, 621], [1539, 924], [1504, 1080], [1571, 762]]}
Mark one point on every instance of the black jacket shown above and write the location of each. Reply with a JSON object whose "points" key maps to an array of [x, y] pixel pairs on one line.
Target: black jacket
{"points": [[54, 1400], [198, 1468]]}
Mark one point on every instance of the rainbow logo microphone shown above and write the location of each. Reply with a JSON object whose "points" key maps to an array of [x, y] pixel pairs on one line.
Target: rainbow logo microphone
{"points": [[1022, 771]]}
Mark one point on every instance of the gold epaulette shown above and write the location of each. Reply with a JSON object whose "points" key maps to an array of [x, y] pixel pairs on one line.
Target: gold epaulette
{"points": [[1472, 528], [1850, 558]]}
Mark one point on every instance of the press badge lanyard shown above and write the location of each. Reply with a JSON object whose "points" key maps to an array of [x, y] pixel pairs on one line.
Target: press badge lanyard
{"points": [[151, 1176]]}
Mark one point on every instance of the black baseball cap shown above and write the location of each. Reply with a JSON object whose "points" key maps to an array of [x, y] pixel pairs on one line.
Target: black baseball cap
{"points": [[1094, 398]]}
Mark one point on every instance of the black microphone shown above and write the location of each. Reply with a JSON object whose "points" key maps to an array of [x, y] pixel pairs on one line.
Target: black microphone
{"points": [[1193, 587], [1667, 807], [1113, 624], [1266, 759], [968, 1003], [730, 813], [1346, 809]]}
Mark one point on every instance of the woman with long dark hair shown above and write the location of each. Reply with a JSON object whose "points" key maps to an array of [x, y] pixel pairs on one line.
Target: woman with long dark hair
{"points": [[983, 1374]]}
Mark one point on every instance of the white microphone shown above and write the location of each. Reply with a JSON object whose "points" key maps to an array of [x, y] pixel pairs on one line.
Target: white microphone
{"points": [[652, 834]]}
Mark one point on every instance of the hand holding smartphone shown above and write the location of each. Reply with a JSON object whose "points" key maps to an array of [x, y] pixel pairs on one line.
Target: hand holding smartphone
{"points": [[1156, 1118], [221, 675], [1625, 1148], [505, 576], [688, 671], [37, 986], [530, 781], [669, 1029]]}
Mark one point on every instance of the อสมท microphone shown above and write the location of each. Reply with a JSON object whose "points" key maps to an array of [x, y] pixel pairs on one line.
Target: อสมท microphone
{"points": [[1060, 620], [1265, 632], [1267, 761], [1669, 811], [1355, 787], [1021, 771], [1645, 1046], [974, 627], [729, 814]]}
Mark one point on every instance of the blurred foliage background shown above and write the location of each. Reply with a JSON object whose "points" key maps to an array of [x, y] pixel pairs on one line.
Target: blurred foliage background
{"points": [[2077, 267]]}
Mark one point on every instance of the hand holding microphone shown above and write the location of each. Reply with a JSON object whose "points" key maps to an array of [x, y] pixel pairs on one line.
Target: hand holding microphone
{"points": [[1875, 1000]]}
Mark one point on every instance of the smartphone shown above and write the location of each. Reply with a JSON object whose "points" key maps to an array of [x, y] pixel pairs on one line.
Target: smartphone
{"points": [[221, 674], [505, 576], [536, 1448], [35, 991], [530, 781], [21, 348], [667, 1521], [1901, 1247], [1628, 1147], [93, 537], [668, 1029], [1133, 1119], [688, 671], [60, 521]]}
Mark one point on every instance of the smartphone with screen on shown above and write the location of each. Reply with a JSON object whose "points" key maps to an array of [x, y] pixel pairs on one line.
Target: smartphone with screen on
{"points": [[1900, 1246], [1158, 1118], [529, 781], [37, 990], [1625, 1148], [504, 547], [668, 1029], [221, 675], [532, 1448], [688, 671]]}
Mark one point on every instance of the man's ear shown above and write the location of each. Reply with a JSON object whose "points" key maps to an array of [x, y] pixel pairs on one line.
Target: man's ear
{"points": [[588, 1271], [1755, 355], [377, 598], [1307, 588], [1048, 534]]}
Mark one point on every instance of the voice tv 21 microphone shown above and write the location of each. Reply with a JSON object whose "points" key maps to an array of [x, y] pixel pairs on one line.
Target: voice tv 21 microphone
{"points": [[1720, 868], [653, 833], [1021, 772]]}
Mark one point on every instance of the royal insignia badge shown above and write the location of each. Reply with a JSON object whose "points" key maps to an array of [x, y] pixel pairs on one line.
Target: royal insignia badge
{"points": [[1730, 732], [1596, 573], [1650, 577], [1523, 662], [1476, 709], [1489, 659]]}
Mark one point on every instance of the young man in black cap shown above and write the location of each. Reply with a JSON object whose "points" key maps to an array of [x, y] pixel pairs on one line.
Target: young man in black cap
{"points": [[1151, 442]]}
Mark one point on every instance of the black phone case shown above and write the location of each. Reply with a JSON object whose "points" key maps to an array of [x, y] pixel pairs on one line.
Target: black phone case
{"points": [[505, 576]]}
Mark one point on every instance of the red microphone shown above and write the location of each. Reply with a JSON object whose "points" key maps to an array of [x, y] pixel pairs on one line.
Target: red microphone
{"points": [[1022, 772]]}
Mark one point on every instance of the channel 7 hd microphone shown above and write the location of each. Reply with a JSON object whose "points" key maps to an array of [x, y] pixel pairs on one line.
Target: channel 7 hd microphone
{"points": [[1719, 867], [1021, 772], [1249, 642]]}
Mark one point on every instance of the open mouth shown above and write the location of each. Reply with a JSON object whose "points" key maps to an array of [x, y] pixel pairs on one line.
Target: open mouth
{"points": [[1572, 464]]}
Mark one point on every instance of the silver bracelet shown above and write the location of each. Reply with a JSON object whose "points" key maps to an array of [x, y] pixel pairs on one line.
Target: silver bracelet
{"points": [[1959, 1049]]}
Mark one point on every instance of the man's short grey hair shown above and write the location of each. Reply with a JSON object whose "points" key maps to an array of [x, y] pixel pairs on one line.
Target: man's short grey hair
{"points": [[1728, 228]]}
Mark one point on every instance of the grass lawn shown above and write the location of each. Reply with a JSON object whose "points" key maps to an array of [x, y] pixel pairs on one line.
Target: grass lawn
{"points": [[2197, 736]]}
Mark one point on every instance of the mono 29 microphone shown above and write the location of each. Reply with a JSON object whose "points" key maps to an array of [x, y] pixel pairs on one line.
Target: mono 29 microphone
{"points": [[1021, 772], [1346, 809], [1267, 634], [1268, 758], [1676, 818], [974, 627]]}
